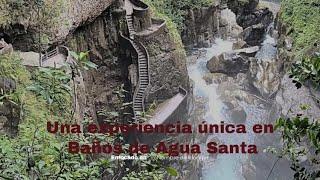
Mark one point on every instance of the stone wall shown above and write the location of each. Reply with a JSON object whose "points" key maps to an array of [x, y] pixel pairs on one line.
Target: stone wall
{"points": [[168, 68]]}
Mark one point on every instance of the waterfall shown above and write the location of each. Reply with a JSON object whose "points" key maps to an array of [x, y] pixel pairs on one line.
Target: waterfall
{"points": [[231, 166]]}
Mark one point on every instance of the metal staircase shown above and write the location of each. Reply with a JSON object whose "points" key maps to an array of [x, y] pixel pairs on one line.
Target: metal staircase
{"points": [[143, 67]]}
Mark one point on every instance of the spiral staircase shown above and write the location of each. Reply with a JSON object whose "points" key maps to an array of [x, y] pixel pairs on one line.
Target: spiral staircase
{"points": [[143, 71]]}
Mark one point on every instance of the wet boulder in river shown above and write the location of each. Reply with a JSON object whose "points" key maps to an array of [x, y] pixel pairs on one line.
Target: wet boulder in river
{"points": [[228, 63]]}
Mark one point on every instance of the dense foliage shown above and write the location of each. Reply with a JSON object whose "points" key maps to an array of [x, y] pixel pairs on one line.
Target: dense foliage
{"points": [[176, 10], [301, 144], [301, 134], [17, 11], [34, 153], [307, 69], [302, 17]]}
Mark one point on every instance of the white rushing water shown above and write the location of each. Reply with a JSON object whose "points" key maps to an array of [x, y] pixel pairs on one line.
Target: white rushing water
{"points": [[268, 49], [224, 167]]}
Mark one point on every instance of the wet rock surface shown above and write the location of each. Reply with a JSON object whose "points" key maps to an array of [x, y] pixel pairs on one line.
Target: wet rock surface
{"points": [[228, 26], [254, 34], [263, 16], [242, 7], [228, 63], [265, 76], [202, 24]]}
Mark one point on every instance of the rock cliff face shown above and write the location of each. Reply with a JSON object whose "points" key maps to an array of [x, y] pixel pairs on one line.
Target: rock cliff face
{"points": [[101, 38], [74, 13], [201, 26]]}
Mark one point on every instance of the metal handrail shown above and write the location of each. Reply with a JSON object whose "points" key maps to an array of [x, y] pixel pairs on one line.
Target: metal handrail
{"points": [[50, 54], [145, 52]]}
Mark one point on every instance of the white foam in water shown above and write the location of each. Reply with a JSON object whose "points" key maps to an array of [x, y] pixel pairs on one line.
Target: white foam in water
{"points": [[196, 73], [225, 167]]}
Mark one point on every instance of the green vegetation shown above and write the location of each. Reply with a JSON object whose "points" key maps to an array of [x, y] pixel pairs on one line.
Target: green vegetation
{"points": [[83, 60], [34, 153], [301, 134], [308, 69], [160, 10], [302, 18], [15, 11], [301, 140], [176, 10]]}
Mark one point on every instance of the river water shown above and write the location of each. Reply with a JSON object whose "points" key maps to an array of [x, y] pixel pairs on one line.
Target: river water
{"points": [[225, 167]]}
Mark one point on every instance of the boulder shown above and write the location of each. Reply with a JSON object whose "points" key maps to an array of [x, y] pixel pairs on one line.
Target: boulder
{"points": [[228, 24], [228, 63], [3, 122], [242, 7], [254, 35], [5, 48], [239, 45], [250, 51], [288, 43], [7, 85], [265, 76], [263, 16]]}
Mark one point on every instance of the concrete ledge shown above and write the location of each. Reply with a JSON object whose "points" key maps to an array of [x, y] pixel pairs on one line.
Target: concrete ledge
{"points": [[169, 112]]}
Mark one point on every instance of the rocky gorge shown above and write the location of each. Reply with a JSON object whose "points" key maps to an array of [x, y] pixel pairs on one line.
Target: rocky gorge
{"points": [[244, 81], [228, 62]]}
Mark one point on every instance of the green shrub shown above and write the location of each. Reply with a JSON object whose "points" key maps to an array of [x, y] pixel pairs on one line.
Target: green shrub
{"points": [[302, 18]]}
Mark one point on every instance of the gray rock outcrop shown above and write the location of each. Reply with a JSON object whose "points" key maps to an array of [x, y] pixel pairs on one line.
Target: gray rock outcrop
{"points": [[228, 63]]}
